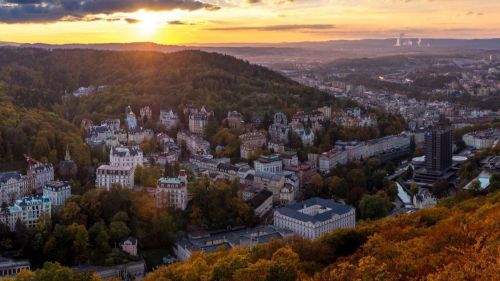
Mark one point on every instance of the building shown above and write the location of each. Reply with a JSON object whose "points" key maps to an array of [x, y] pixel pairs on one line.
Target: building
{"points": [[169, 118], [10, 268], [250, 142], [235, 119], [107, 176], [43, 173], [146, 113], [194, 143], [130, 118], [67, 167], [314, 217], [261, 203], [27, 210], [482, 139], [130, 271], [438, 150], [330, 159], [268, 164], [203, 241], [58, 192], [172, 192], [11, 184], [126, 156], [198, 122], [129, 246]]}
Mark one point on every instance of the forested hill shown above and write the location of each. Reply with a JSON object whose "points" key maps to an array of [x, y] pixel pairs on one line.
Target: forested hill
{"points": [[40, 78], [458, 240]]}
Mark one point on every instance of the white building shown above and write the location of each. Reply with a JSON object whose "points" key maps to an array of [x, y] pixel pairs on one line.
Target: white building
{"points": [[58, 192], [268, 164], [108, 175], [28, 210], [169, 118], [482, 139], [126, 156], [314, 217], [43, 173], [198, 122], [172, 192], [129, 246], [10, 186], [10, 268], [130, 118], [330, 159]]}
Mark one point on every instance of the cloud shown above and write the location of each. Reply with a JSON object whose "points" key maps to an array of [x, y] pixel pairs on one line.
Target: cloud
{"points": [[21, 11], [132, 21], [276, 27], [176, 22]]}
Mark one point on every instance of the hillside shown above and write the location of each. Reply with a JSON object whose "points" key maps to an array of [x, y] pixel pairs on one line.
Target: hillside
{"points": [[451, 242], [40, 77], [42, 134]]}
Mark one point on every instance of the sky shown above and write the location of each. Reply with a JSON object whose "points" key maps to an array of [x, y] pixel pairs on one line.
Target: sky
{"points": [[244, 21]]}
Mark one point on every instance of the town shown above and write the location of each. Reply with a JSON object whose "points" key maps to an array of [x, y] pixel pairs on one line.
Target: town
{"points": [[290, 188]]}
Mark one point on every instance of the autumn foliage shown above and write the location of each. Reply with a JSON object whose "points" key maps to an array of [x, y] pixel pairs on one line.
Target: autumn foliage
{"points": [[459, 241]]}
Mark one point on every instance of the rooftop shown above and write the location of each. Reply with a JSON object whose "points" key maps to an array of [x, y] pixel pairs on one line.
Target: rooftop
{"points": [[323, 211]]}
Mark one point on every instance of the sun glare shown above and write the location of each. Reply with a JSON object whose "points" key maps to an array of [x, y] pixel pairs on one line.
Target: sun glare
{"points": [[149, 22]]}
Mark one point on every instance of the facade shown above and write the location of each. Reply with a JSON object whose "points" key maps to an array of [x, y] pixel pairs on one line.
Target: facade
{"points": [[438, 150], [482, 139], [198, 122], [107, 176], [146, 113], [27, 210], [130, 271], [10, 268], [195, 144], [329, 160], [210, 242], [126, 156], [172, 192], [11, 184], [250, 142], [261, 203], [129, 246], [314, 217], [130, 118], [139, 135], [235, 119], [268, 164], [169, 118], [58, 192], [43, 173]]}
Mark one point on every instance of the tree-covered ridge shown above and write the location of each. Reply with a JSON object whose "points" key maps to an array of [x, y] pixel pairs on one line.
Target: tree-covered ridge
{"points": [[455, 241], [39, 78], [42, 134]]}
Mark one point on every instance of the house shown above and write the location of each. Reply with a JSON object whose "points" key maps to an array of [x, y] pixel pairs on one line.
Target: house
{"points": [[129, 246]]}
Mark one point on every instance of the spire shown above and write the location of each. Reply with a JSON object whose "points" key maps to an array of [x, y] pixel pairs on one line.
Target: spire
{"points": [[67, 157]]}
